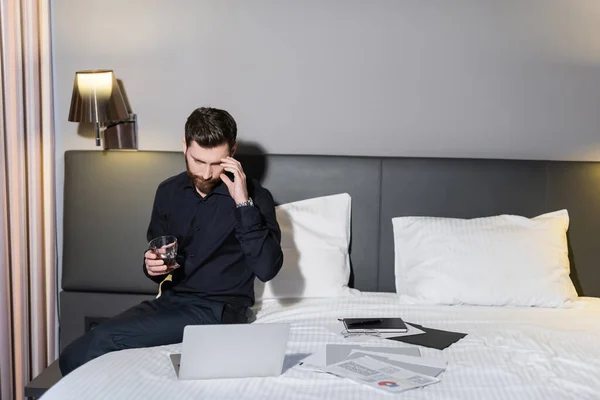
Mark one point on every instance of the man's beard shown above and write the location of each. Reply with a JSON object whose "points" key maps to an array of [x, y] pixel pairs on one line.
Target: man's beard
{"points": [[204, 186]]}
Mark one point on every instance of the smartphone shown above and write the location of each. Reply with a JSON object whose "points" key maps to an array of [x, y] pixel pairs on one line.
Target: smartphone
{"points": [[229, 175]]}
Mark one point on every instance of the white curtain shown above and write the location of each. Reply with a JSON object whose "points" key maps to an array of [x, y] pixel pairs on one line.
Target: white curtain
{"points": [[27, 217]]}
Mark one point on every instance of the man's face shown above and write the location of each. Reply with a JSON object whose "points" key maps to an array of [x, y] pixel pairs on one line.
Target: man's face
{"points": [[204, 165]]}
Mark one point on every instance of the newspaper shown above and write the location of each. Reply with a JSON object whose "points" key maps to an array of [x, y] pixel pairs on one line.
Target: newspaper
{"points": [[379, 375]]}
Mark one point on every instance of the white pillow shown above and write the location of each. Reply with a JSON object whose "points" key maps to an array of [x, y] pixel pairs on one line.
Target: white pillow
{"points": [[315, 236], [497, 261]]}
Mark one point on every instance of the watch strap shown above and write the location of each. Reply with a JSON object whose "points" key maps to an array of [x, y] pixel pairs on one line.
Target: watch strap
{"points": [[245, 203]]}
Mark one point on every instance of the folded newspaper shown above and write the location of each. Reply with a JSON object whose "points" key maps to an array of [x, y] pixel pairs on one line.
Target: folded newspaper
{"points": [[379, 374]]}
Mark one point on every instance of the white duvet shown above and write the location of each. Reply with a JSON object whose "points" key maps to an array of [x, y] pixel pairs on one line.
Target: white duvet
{"points": [[509, 353]]}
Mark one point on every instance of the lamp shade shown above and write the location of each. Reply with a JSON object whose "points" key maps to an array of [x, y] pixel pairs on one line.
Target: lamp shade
{"points": [[97, 97]]}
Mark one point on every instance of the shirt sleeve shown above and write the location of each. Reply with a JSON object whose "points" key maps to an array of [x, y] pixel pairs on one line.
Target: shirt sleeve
{"points": [[157, 227], [259, 235]]}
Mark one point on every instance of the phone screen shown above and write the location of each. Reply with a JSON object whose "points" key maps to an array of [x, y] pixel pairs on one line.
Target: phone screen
{"points": [[229, 175]]}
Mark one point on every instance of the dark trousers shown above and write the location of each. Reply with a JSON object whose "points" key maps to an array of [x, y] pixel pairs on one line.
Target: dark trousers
{"points": [[151, 323]]}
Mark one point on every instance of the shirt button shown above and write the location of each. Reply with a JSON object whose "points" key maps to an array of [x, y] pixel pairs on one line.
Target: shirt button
{"points": [[191, 256]]}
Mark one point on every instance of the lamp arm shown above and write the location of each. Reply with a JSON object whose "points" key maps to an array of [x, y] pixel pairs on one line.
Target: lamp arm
{"points": [[96, 115], [97, 134]]}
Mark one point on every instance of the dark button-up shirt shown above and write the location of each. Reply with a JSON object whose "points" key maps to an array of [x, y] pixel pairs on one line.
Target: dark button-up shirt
{"points": [[221, 248]]}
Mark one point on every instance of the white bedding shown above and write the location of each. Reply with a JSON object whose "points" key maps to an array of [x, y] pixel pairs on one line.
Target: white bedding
{"points": [[509, 353]]}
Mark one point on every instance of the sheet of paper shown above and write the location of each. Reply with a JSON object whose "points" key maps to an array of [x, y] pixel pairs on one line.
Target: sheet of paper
{"points": [[314, 362], [379, 375], [332, 353], [293, 359], [433, 338], [425, 361], [413, 365], [339, 352]]}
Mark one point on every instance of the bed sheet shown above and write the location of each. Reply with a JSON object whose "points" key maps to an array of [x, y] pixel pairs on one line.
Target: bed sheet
{"points": [[509, 353]]}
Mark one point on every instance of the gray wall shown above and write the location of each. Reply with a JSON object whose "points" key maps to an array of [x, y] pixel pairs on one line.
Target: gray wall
{"points": [[487, 78]]}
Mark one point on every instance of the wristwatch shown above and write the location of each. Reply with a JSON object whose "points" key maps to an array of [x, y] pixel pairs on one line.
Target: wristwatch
{"points": [[245, 203]]}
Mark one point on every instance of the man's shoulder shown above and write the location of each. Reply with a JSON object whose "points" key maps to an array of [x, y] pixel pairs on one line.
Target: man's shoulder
{"points": [[173, 182]]}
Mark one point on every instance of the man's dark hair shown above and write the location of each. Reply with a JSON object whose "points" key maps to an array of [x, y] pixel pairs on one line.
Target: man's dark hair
{"points": [[210, 127]]}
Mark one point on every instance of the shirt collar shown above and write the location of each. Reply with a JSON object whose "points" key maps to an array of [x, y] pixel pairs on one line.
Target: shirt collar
{"points": [[221, 188]]}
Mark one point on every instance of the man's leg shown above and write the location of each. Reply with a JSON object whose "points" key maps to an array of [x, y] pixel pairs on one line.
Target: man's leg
{"points": [[151, 323]]}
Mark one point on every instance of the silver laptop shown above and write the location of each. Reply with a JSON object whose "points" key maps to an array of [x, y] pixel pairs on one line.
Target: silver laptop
{"points": [[231, 351]]}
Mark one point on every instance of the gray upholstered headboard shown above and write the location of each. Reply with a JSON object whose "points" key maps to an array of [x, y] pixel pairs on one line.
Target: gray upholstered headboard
{"points": [[108, 198]]}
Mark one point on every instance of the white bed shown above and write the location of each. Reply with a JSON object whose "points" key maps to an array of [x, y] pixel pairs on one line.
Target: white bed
{"points": [[509, 353]]}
